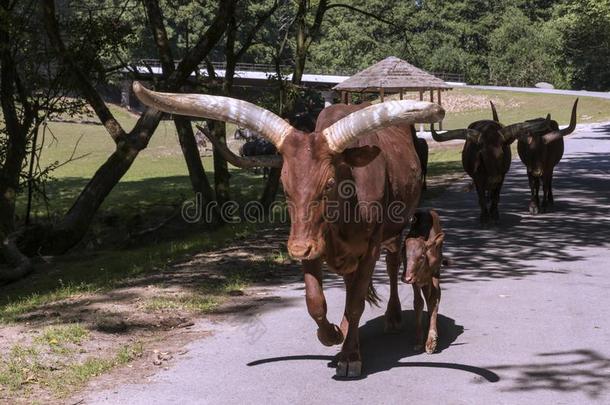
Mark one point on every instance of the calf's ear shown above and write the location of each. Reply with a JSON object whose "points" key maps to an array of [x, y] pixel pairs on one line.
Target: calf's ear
{"points": [[360, 156], [436, 242]]}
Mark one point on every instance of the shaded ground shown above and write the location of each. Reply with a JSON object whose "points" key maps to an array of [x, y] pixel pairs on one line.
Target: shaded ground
{"points": [[524, 315]]}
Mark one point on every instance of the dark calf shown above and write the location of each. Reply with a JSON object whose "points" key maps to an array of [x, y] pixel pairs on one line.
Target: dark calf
{"points": [[423, 255]]}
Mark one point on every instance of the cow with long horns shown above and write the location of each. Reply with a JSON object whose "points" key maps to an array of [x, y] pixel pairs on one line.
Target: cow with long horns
{"points": [[486, 158], [367, 148], [540, 146]]}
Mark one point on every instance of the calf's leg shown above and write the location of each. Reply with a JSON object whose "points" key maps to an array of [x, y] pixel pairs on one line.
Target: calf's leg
{"points": [[328, 333], [433, 298], [418, 306], [393, 314]]}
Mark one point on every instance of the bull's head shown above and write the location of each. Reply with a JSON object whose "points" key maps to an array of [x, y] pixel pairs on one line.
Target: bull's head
{"points": [[535, 135], [487, 142], [308, 160], [424, 258]]}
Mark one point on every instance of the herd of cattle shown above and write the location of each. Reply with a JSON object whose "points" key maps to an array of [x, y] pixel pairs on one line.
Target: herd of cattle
{"points": [[374, 148]]}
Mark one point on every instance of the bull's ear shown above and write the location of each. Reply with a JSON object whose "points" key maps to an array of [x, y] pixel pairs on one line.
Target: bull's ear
{"points": [[436, 242], [360, 156]]}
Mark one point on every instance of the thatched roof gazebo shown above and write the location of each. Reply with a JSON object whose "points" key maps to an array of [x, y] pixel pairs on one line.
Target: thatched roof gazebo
{"points": [[392, 75]]}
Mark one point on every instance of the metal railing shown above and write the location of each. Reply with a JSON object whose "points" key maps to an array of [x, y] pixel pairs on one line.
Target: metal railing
{"points": [[266, 67]]}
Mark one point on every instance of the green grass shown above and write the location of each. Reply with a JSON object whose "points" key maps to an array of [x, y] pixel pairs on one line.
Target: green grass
{"points": [[58, 336], [61, 373], [529, 106], [105, 270]]}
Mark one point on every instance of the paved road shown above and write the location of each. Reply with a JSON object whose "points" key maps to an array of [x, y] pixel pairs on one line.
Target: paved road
{"points": [[524, 316], [577, 93]]}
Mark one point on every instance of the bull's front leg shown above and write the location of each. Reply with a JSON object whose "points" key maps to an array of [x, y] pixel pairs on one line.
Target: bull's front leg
{"points": [[547, 192], [349, 361], [495, 200], [433, 299], [328, 333], [393, 314], [534, 188], [418, 306]]}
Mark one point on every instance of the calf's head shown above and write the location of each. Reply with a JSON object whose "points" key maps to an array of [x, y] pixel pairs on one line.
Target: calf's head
{"points": [[308, 160], [423, 259]]}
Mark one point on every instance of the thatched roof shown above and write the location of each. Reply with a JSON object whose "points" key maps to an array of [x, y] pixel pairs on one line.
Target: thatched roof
{"points": [[391, 74]]}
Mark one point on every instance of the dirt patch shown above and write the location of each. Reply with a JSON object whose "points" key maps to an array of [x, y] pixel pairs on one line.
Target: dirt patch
{"points": [[129, 332]]}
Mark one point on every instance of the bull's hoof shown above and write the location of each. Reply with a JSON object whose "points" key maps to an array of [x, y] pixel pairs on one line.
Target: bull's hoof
{"points": [[335, 337], [349, 369], [431, 344], [418, 347], [534, 210]]}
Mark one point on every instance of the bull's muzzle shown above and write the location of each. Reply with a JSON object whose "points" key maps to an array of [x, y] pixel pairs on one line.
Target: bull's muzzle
{"points": [[303, 250]]}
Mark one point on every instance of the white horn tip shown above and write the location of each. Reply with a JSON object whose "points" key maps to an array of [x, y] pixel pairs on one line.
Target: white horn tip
{"points": [[137, 87]]}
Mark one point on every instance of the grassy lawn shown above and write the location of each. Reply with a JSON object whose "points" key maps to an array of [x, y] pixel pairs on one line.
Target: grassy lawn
{"points": [[516, 107]]}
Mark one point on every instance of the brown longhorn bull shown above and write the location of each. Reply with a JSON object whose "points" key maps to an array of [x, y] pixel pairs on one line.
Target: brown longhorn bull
{"points": [[369, 148], [486, 158], [540, 146]]}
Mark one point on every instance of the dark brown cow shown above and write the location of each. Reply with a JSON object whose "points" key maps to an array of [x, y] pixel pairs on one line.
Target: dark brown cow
{"points": [[540, 148], [421, 147], [422, 258], [368, 149], [486, 158]]}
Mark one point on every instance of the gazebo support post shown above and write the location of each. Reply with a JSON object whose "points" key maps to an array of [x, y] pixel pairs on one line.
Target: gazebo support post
{"points": [[440, 124], [381, 94], [432, 101], [421, 98], [401, 95]]}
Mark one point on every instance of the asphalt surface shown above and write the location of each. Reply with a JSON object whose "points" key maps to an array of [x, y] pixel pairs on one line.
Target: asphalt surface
{"points": [[577, 93], [523, 316]]}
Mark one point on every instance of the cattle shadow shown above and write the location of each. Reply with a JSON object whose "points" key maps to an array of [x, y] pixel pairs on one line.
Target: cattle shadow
{"points": [[384, 351]]}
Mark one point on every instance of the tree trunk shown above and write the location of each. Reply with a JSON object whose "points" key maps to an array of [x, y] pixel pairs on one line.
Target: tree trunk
{"points": [[271, 188], [199, 179], [75, 223], [221, 169]]}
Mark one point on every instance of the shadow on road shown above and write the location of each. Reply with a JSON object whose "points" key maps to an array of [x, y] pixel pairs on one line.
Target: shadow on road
{"points": [[382, 352], [569, 371]]}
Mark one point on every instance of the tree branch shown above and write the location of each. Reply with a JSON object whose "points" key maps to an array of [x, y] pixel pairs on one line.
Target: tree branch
{"points": [[91, 95], [157, 26], [363, 12]]}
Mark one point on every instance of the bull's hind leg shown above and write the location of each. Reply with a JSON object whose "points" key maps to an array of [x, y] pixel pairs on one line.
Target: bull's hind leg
{"points": [[534, 188], [328, 333], [393, 314], [349, 361], [495, 200]]}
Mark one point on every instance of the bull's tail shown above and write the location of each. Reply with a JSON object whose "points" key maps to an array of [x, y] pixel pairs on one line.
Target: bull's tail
{"points": [[372, 297]]}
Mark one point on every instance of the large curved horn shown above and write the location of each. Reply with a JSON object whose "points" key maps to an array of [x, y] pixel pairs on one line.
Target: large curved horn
{"points": [[240, 161], [218, 108], [343, 132], [572, 126], [470, 134], [494, 112]]}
